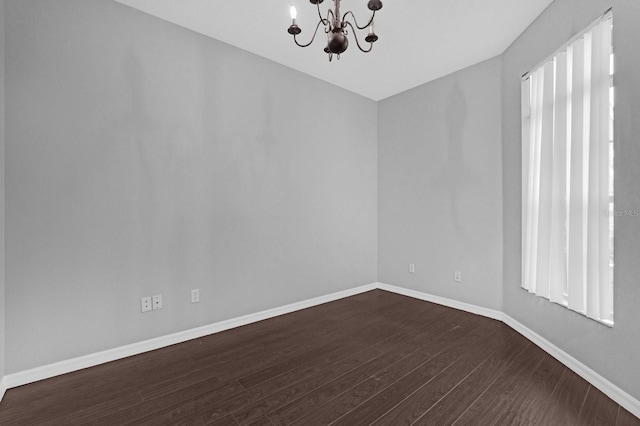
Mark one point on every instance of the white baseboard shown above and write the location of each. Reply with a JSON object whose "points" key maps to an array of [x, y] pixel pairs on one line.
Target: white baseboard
{"points": [[67, 366], [3, 387], [605, 386], [485, 312], [612, 391]]}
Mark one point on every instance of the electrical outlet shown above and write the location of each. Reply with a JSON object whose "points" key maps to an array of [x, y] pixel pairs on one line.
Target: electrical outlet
{"points": [[457, 276], [145, 304], [412, 268], [195, 295], [157, 302]]}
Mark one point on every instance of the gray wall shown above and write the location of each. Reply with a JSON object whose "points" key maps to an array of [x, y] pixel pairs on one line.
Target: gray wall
{"points": [[440, 195], [2, 285], [142, 158], [613, 353]]}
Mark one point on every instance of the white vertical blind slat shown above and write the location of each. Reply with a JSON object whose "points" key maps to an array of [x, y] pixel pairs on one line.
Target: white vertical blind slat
{"points": [[576, 268], [557, 254], [566, 176], [545, 147]]}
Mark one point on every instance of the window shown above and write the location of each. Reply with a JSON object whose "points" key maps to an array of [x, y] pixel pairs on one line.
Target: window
{"points": [[567, 175]]}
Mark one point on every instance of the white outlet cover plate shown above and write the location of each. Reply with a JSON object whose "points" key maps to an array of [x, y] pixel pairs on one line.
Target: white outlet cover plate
{"points": [[157, 302], [145, 304]]}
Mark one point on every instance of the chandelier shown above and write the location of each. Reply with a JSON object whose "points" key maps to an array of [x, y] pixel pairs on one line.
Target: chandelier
{"points": [[335, 26]]}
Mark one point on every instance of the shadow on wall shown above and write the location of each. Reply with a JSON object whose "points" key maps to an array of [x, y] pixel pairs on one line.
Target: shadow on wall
{"points": [[158, 147], [250, 166], [456, 178]]}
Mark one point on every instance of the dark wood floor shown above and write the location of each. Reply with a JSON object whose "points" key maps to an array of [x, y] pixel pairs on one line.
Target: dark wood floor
{"points": [[375, 358]]}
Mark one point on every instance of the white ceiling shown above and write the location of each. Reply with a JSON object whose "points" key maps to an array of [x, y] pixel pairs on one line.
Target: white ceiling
{"points": [[420, 40]]}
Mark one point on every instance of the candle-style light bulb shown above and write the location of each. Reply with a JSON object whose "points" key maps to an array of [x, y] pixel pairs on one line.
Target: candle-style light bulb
{"points": [[371, 37], [294, 30]]}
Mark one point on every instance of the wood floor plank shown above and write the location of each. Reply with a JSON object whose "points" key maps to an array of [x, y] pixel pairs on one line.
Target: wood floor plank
{"points": [[300, 325], [284, 396], [455, 402], [235, 370], [428, 404], [314, 389], [147, 408], [534, 397], [261, 421], [213, 403], [324, 353], [156, 387], [498, 398], [375, 356], [625, 418], [341, 404], [308, 402], [377, 406], [568, 400], [257, 393], [224, 421], [598, 409]]}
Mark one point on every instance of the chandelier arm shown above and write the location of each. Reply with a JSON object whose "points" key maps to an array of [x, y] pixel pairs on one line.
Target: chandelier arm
{"points": [[324, 21], [344, 17], [312, 38], [355, 36]]}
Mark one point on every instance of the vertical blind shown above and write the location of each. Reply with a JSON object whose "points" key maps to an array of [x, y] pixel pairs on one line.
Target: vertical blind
{"points": [[567, 172]]}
